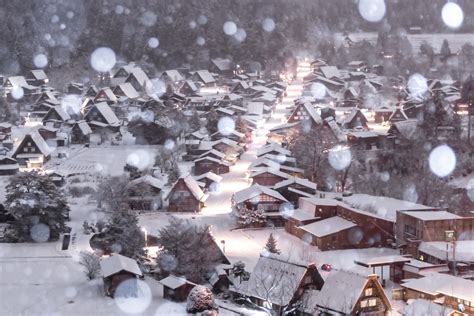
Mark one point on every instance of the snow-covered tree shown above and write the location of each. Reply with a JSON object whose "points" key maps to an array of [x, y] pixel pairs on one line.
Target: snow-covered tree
{"points": [[112, 191], [38, 206], [271, 245], [250, 217], [91, 263], [187, 250], [200, 299], [123, 233]]}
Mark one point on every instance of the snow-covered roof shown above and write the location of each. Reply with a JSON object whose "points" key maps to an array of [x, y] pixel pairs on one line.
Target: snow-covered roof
{"points": [[174, 75], [432, 215], [40, 143], [302, 215], [150, 180], [209, 175], [18, 81], [330, 72], [190, 84], [295, 180], [173, 282], [385, 207], [39, 74], [437, 249], [222, 64], [270, 170], [117, 263], [407, 128], [275, 278], [436, 283], [341, 290], [128, 89], [193, 186], [107, 113], [254, 191], [205, 76], [425, 307], [61, 112], [209, 158], [328, 226], [214, 152], [273, 147], [84, 127]]}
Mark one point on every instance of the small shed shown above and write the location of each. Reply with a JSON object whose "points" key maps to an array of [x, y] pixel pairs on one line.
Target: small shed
{"points": [[117, 269], [176, 288]]}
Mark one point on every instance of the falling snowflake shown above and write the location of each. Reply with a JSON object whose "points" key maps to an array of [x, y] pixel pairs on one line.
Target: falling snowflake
{"points": [[103, 59]]}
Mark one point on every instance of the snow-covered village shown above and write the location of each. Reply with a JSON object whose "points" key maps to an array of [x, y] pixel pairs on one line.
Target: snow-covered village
{"points": [[251, 157]]}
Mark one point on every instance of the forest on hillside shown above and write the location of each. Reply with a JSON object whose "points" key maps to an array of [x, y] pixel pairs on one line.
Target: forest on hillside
{"points": [[169, 33]]}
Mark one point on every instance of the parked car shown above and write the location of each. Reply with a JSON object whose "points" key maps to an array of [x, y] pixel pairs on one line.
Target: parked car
{"points": [[326, 267]]}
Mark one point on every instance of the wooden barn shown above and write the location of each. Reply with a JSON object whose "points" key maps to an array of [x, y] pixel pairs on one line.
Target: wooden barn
{"points": [[186, 196], [175, 288], [116, 270]]}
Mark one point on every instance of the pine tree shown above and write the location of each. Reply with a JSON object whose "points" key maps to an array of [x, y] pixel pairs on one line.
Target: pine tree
{"points": [[112, 191], [37, 205], [123, 233], [271, 245]]}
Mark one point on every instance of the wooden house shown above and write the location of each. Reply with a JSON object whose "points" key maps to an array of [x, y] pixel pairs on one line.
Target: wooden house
{"points": [[75, 88], [56, 116], [204, 77], [382, 114], [222, 66], [125, 90], [268, 177], [80, 133], [101, 116], [305, 112], [116, 270], [32, 151], [145, 193], [398, 115], [91, 92], [292, 188], [355, 119], [209, 181], [171, 76], [365, 140], [188, 88], [37, 77], [105, 95], [5, 131], [260, 197], [290, 279], [186, 196], [139, 79], [348, 293], [444, 289], [175, 288], [206, 164], [57, 178], [8, 166]]}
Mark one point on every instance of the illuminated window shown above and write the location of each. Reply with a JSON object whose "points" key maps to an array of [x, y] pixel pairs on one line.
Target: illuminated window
{"points": [[372, 302], [369, 291]]}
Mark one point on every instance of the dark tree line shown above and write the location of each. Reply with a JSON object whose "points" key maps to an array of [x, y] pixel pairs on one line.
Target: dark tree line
{"points": [[68, 31]]}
